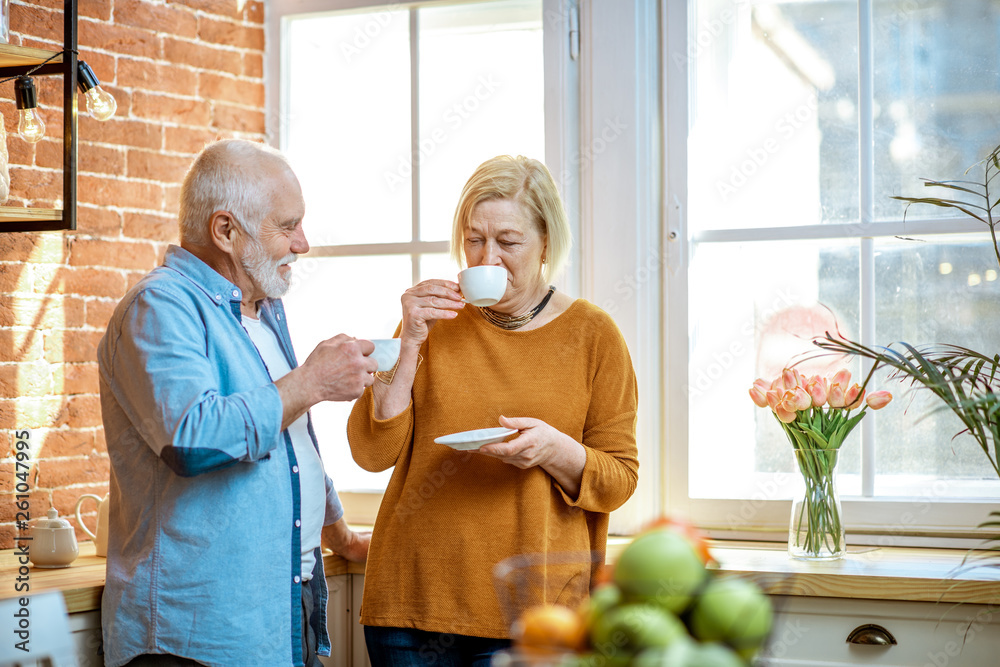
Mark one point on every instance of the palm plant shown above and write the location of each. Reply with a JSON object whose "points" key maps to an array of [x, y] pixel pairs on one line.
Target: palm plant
{"points": [[968, 382]]}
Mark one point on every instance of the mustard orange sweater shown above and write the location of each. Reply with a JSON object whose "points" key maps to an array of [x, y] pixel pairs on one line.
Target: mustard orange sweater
{"points": [[448, 517]]}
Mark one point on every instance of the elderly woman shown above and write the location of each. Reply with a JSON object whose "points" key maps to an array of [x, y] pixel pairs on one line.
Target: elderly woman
{"points": [[554, 368]]}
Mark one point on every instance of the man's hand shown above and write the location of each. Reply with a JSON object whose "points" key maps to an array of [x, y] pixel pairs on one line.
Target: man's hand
{"points": [[350, 544], [337, 370]]}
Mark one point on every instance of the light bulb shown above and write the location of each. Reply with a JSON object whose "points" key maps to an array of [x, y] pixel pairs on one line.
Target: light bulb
{"points": [[100, 103], [30, 125]]}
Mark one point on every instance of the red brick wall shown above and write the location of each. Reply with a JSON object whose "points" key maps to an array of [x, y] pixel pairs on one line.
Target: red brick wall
{"points": [[183, 74]]}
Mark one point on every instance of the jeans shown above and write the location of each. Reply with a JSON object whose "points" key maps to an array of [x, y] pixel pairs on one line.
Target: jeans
{"points": [[309, 657], [161, 660], [405, 647]]}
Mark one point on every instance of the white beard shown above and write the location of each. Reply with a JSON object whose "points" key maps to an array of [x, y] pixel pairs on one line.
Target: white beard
{"points": [[264, 270]]}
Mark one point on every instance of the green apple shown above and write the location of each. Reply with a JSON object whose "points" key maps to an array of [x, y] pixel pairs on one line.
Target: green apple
{"points": [[689, 654], [734, 611], [597, 660], [660, 567], [630, 628], [602, 599]]}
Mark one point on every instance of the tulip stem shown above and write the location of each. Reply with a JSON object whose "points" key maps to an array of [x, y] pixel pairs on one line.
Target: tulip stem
{"points": [[818, 532]]}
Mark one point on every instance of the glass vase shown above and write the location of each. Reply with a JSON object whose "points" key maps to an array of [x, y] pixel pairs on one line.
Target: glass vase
{"points": [[816, 531]]}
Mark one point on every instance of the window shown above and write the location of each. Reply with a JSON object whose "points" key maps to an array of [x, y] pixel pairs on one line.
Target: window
{"points": [[730, 189], [791, 230], [384, 112]]}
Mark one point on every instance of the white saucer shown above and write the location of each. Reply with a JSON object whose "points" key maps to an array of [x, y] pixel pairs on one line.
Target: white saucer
{"points": [[476, 438]]}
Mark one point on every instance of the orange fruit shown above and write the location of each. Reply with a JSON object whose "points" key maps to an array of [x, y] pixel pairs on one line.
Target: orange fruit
{"points": [[549, 628], [688, 530]]}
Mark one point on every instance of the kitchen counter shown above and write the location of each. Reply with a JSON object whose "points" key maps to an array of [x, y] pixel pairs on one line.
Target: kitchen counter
{"points": [[82, 583], [909, 574]]}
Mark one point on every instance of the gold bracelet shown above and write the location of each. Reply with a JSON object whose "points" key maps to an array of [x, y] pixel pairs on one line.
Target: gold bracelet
{"points": [[385, 377]]}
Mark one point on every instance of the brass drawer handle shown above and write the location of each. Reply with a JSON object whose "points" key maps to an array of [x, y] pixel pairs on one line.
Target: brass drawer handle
{"points": [[872, 635]]}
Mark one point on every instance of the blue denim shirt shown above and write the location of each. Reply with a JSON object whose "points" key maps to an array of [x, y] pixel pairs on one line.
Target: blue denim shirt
{"points": [[204, 552]]}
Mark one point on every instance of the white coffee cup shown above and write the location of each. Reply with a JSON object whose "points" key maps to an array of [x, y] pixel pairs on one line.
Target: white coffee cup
{"points": [[386, 352], [483, 285]]}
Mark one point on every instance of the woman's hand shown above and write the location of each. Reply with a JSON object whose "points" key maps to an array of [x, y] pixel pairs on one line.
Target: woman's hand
{"points": [[539, 444], [424, 304]]}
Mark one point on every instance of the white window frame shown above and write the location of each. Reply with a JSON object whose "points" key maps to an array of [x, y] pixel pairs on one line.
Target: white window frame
{"points": [[595, 133], [616, 137], [880, 521], [557, 142]]}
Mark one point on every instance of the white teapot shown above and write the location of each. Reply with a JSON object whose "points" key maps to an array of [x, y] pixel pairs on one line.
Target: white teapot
{"points": [[53, 542], [101, 536]]}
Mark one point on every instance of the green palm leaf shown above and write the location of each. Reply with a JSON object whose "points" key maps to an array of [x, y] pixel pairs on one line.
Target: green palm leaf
{"points": [[966, 381], [961, 378]]}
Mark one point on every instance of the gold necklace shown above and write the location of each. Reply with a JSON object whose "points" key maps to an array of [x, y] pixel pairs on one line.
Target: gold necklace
{"points": [[510, 322]]}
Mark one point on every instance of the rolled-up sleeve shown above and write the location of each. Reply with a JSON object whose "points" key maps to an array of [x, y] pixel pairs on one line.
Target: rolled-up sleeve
{"points": [[334, 510], [158, 367]]}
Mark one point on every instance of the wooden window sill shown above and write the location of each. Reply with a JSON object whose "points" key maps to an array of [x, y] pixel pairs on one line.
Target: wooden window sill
{"points": [[889, 573]]}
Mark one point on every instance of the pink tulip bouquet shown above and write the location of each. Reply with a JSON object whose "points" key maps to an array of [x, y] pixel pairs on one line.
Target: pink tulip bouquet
{"points": [[816, 414]]}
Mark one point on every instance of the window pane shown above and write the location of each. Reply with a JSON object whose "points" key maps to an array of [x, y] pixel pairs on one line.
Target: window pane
{"points": [[481, 95], [325, 300], [944, 291], [438, 265], [774, 131], [937, 93], [347, 124], [750, 319]]}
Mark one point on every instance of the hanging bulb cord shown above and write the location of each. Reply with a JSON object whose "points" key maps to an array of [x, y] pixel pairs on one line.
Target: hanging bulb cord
{"points": [[40, 65]]}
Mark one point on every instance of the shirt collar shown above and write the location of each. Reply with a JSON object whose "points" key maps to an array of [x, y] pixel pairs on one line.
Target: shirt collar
{"points": [[208, 280]]}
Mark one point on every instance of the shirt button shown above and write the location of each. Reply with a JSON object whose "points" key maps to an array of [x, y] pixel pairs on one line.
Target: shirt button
{"points": [[298, 523], [278, 316], [236, 293], [295, 469], [218, 297], [296, 578]]}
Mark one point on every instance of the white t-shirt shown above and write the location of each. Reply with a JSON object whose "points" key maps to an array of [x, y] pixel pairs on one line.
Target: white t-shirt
{"points": [[312, 479]]}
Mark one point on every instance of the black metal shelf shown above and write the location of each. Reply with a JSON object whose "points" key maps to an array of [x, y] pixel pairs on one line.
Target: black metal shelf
{"points": [[18, 60]]}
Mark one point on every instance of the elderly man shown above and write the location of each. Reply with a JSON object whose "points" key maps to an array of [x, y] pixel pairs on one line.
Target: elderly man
{"points": [[218, 494]]}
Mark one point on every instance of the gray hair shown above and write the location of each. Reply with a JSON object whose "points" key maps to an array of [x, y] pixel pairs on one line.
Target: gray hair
{"points": [[228, 175]]}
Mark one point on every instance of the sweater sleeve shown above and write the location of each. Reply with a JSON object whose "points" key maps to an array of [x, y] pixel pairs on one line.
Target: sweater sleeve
{"points": [[377, 443], [612, 468]]}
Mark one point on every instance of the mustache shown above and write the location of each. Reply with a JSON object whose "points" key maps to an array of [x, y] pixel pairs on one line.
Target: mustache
{"points": [[288, 259]]}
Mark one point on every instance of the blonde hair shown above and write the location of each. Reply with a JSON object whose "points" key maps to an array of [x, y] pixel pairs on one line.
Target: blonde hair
{"points": [[229, 175], [529, 183]]}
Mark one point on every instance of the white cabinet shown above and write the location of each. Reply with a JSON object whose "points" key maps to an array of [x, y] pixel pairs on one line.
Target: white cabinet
{"points": [[347, 635], [85, 628], [813, 632]]}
